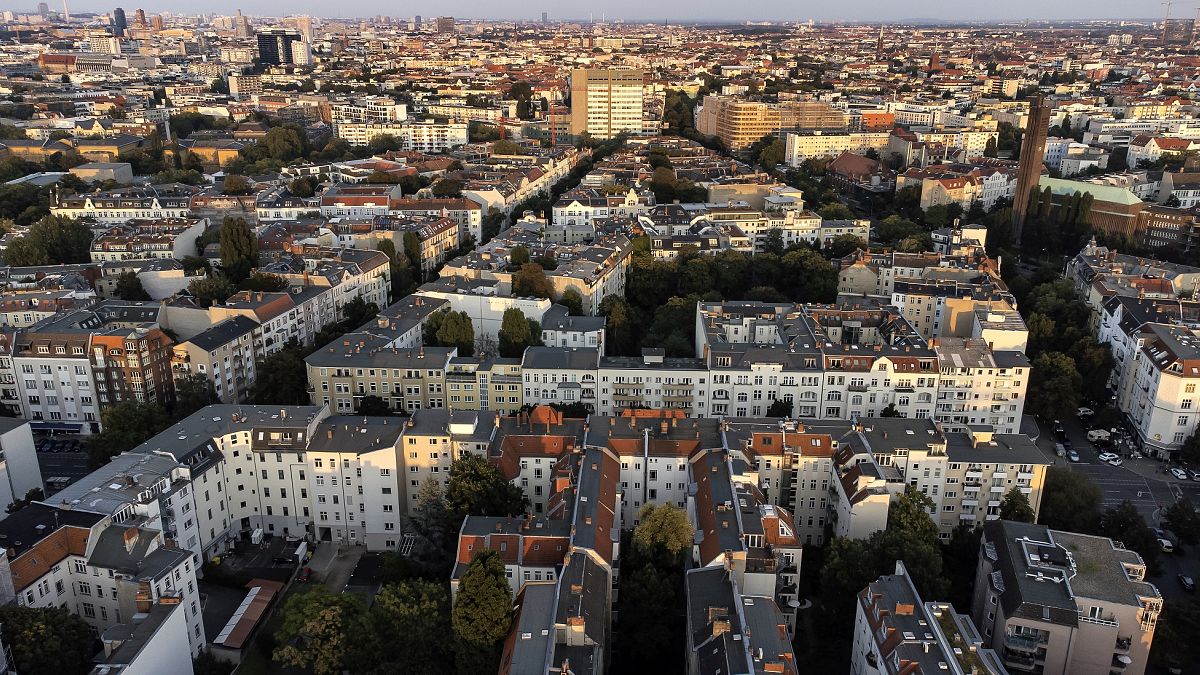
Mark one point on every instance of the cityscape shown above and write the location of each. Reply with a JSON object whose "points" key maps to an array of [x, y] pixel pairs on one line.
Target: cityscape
{"points": [[576, 341]]}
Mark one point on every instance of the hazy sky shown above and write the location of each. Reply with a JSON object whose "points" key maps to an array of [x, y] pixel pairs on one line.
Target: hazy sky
{"points": [[679, 10]]}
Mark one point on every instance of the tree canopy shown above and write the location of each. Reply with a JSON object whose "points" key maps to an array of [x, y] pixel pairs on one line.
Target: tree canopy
{"points": [[48, 641], [125, 426], [482, 614], [1015, 506], [239, 248], [53, 240], [476, 488], [322, 632]]}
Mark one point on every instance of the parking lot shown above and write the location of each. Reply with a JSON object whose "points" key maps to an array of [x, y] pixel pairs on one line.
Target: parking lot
{"points": [[61, 458]]}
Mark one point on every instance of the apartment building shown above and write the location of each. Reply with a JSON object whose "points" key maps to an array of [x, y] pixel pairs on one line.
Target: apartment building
{"points": [[896, 632], [155, 639], [368, 109], [740, 122], [1059, 602], [467, 213], [125, 204], [733, 630], [582, 207], [606, 103], [225, 354], [1158, 385], [55, 379], [429, 137], [19, 469], [141, 239], [799, 147], [489, 384], [365, 364]]}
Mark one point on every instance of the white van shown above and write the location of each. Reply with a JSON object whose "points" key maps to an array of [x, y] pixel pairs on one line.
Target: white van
{"points": [[1098, 435]]}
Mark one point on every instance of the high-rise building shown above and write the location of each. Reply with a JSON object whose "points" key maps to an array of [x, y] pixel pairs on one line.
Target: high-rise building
{"points": [[304, 24], [1029, 172], [156, 22], [445, 24], [275, 45], [301, 53], [606, 103], [545, 17], [119, 23], [739, 123], [139, 18], [417, 22], [103, 42], [241, 25], [43, 9], [1179, 31]]}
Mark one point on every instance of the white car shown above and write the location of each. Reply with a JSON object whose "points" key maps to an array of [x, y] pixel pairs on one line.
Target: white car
{"points": [[1179, 473], [1098, 435], [1085, 412], [1110, 458]]}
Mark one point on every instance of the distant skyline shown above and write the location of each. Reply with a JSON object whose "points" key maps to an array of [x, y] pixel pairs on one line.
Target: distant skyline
{"points": [[676, 10]]}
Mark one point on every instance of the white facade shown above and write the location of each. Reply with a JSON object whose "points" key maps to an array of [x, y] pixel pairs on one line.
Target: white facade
{"points": [[19, 470]]}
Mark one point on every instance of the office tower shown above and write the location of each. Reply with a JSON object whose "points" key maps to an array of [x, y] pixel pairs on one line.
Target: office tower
{"points": [[241, 25], [606, 103], [304, 24], [417, 22], [445, 24], [1029, 171], [119, 23], [102, 42], [301, 53], [43, 9], [545, 17], [139, 18], [275, 45], [156, 22]]}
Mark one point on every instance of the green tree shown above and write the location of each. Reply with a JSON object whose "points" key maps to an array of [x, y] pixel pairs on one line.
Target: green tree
{"points": [[1015, 506], [1070, 502], [261, 281], [236, 185], [48, 641], [192, 392], [809, 277], [514, 333], [434, 529], [358, 311], [52, 240], [129, 287], [284, 143], [457, 330], [773, 241], [530, 282], [303, 186], [476, 488], [373, 406], [573, 301], [836, 211], [1125, 524], [1182, 519], [400, 269], [31, 495], [663, 529], [1190, 450], [779, 408], [843, 245], [206, 663], [410, 620], [620, 326], [239, 248], [321, 632], [989, 149], [125, 426], [1175, 643], [281, 378], [910, 515], [482, 614], [211, 290], [1054, 386]]}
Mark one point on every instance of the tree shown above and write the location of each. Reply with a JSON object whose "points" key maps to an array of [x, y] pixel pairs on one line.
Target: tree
{"points": [[1070, 502], [281, 378], [49, 641], [515, 334], [304, 186], [125, 426], [239, 248], [358, 312], [129, 287], [410, 620], [457, 330], [773, 241], [206, 663], [1054, 386], [476, 488], [1182, 519], [52, 240], [192, 392], [1190, 450], [843, 245], [482, 614], [430, 522], [573, 301], [836, 211], [373, 406], [236, 185], [261, 281], [663, 530], [31, 495], [1125, 524], [620, 329], [211, 290], [809, 277], [910, 515], [1175, 633], [321, 632], [530, 282], [518, 256], [989, 148], [779, 408], [1015, 506]]}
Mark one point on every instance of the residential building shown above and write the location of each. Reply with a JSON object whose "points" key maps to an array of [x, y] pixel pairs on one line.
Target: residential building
{"points": [[1059, 602], [740, 122], [607, 102], [19, 469]]}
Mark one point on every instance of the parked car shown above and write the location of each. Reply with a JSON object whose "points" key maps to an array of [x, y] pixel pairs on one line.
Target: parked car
{"points": [[1110, 458], [1194, 474], [1072, 456], [1059, 430], [1060, 450], [1166, 546], [306, 572], [1099, 435], [1179, 473], [1085, 412], [1187, 583], [283, 560]]}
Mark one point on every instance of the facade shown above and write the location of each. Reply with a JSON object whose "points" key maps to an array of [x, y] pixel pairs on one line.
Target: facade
{"points": [[19, 470], [275, 45], [1058, 602], [606, 103], [739, 123]]}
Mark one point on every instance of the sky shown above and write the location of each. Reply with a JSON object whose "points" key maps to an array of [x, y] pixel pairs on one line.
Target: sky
{"points": [[676, 10]]}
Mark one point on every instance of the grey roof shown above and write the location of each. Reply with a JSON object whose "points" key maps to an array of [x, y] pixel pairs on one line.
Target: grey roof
{"points": [[138, 558], [534, 628], [557, 318], [549, 358], [7, 424], [361, 434], [128, 478], [1002, 449], [20, 531], [133, 638], [584, 591], [223, 333], [182, 439], [711, 596], [1024, 593], [1103, 577]]}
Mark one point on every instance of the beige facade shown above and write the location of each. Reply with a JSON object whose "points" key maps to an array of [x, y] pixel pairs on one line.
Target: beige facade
{"points": [[606, 103], [739, 123]]}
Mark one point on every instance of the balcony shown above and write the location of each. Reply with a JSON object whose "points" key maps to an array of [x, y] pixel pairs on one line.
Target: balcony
{"points": [[1020, 662], [974, 474], [1123, 644], [1024, 643], [971, 487]]}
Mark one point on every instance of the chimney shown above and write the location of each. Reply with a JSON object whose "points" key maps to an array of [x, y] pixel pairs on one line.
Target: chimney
{"points": [[329, 433], [131, 537], [664, 427]]}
